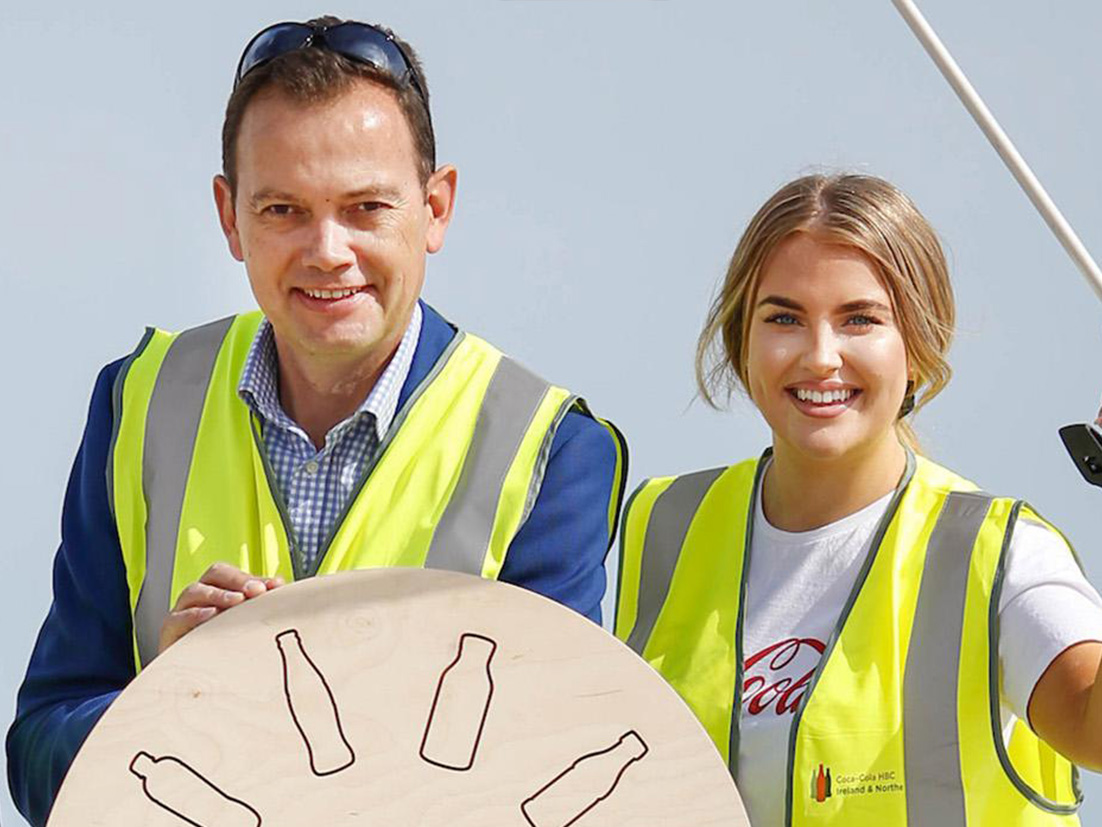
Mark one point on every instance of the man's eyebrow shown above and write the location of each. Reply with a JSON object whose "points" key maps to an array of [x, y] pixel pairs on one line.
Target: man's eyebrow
{"points": [[864, 304], [270, 194], [373, 191], [781, 301]]}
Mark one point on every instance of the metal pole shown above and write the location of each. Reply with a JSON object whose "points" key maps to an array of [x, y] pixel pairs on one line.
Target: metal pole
{"points": [[998, 138]]}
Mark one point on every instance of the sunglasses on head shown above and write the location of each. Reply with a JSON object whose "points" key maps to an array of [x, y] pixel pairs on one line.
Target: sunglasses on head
{"points": [[357, 41]]}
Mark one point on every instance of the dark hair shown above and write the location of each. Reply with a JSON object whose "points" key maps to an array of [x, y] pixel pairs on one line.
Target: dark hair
{"points": [[312, 76]]}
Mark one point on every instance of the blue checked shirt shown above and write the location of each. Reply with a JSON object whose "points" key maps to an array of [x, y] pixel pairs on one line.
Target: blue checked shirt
{"points": [[316, 485]]}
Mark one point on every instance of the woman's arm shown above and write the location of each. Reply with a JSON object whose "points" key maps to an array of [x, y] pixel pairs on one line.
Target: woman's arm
{"points": [[1066, 706]]}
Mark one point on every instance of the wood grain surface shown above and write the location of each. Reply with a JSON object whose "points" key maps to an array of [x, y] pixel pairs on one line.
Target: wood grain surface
{"points": [[560, 728]]}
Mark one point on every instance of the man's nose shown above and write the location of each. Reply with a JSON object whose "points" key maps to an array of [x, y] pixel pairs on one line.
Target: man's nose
{"points": [[824, 350], [329, 247]]}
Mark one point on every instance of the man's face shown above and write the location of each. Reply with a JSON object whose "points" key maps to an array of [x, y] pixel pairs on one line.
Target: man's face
{"points": [[332, 221]]}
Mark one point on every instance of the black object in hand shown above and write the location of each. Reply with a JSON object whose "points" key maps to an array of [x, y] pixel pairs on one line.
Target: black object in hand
{"points": [[1084, 443]]}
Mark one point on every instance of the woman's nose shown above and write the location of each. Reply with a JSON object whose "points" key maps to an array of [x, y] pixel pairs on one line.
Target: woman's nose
{"points": [[824, 350]]}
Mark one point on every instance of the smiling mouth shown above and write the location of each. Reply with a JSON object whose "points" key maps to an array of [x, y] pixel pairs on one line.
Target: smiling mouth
{"points": [[342, 293], [824, 398]]}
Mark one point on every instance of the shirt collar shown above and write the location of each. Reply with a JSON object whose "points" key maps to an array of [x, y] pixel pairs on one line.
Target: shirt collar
{"points": [[259, 384]]}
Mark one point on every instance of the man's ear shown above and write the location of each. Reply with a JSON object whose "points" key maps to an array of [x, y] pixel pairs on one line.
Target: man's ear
{"points": [[227, 215], [440, 202]]}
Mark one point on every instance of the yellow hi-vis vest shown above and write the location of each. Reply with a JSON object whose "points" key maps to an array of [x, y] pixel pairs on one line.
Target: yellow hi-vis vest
{"points": [[452, 483], [903, 709]]}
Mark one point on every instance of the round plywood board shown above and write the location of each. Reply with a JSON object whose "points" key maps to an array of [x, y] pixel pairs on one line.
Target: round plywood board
{"points": [[398, 696]]}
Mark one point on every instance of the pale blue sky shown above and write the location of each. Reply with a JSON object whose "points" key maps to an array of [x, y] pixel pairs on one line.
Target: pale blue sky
{"points": [[609, 153]]}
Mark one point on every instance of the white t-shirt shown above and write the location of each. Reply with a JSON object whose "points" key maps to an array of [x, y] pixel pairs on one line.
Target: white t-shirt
{"points": [[798, 584]]}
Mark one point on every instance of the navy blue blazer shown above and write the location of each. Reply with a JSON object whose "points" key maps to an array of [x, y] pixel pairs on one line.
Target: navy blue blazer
{"points": [[84, 655]]}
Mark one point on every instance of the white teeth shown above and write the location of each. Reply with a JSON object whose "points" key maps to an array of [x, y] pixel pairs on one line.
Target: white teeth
{"points": [[330, 294], [823, 397]]}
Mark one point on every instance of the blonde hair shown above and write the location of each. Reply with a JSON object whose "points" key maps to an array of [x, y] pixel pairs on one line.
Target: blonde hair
{"points": [[864, 213]]}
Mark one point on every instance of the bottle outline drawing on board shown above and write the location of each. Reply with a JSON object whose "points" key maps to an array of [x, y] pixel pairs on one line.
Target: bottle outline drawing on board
{"points": [[174, 786], [313, 707], [461, 705], [584, 784]]}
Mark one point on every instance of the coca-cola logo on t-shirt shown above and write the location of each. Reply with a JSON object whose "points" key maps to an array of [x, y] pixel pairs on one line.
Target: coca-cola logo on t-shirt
{"points": [[777, 677]]}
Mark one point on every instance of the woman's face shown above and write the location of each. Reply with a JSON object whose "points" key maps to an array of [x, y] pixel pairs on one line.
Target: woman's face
{"points": [[826, 362]]}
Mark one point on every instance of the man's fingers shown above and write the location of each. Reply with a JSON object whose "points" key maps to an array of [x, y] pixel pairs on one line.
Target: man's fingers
{"points": [[179, 623], [199, 595], [221, 587], [225, 576]]}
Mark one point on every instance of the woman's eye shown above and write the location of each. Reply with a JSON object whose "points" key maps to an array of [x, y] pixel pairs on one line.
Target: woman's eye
{"points": [[861, 320], [781, 319]]}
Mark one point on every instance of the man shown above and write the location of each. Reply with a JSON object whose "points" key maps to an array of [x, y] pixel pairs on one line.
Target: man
{"points": [[350, 426]]}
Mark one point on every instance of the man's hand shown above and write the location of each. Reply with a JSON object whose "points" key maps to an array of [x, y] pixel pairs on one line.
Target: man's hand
{"points": [[221, 587]]}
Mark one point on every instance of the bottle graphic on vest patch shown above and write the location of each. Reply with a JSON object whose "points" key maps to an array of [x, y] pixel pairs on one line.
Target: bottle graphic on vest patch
{"points": [[828, 791], [174, 786], [584, 784], [820, 785], [460, 706], [313, 708]]}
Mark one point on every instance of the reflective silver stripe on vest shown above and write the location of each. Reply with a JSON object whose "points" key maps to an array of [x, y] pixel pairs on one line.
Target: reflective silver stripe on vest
{"points": [[459, 542], [462, 536], [670, 518], [931, 738], [170, 430]]}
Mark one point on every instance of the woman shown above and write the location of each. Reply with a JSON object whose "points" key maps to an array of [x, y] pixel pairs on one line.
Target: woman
{"points": [[878, 661]]}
